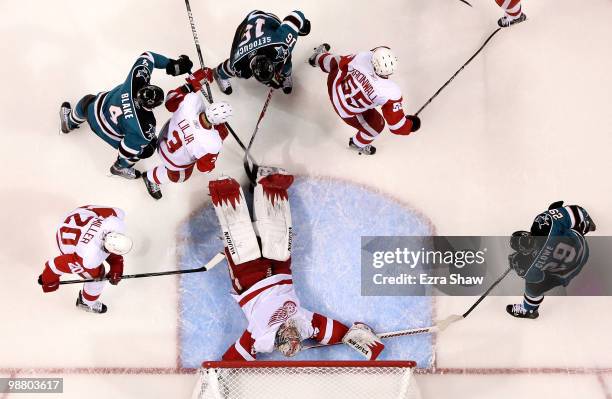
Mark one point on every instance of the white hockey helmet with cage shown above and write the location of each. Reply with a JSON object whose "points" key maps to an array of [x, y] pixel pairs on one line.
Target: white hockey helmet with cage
{"points": [[288, 340], [117, 243], [219, 112], [384, 61]]}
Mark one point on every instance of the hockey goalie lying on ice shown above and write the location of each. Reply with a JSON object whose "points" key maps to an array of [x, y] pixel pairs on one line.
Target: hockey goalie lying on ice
{"points": [[259, 260]]}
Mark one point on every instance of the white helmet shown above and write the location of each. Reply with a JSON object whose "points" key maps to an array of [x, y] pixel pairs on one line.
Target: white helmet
{"points": [[218, 113], [117, 243], [384, 61]]}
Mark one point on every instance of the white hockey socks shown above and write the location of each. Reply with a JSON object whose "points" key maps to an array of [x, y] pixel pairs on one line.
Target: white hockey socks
{"points": [[231, 209], [272, 212]]}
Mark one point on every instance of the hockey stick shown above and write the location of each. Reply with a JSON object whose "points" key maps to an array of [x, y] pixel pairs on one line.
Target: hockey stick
{"points": [[212, 263], [247, 155], [465, 2], [457, 73], [207, 93], [439, 326]]}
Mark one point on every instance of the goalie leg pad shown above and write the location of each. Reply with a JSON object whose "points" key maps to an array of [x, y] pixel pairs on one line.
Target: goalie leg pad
{"points": [[272, 213], [233, 214], [362, 338]]}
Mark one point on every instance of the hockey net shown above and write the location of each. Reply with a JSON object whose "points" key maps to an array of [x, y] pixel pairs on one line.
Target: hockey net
{"points": [[306, 380]]}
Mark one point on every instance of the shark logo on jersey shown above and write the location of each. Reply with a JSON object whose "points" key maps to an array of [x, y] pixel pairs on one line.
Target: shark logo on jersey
{"points": [[281, 52], [543, 220], [150, 133], [144, 73]]}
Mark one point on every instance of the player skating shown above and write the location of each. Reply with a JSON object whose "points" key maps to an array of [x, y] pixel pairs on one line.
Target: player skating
{"points": [[550, 255], [259, 260], [262, 48], [192, 137], [357, 85], [123, 116], [513, 13], [88, 236]]}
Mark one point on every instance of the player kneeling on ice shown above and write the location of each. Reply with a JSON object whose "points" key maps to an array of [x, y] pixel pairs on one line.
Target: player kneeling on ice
{"points": [[550, 255], [192, 137], [259, 260], [359, 83], [123, 116], [262, 48], [88, 236]]}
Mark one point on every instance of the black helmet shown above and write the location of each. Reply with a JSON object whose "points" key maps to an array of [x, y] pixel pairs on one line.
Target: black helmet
{"points": [[523, 242], [150, 96], [263, 68]]}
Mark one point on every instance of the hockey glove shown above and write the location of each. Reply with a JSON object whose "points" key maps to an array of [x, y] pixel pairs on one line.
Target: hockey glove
{"points": [[197, 79], [180, 66], [50, 282], [416, 122], [305, 28], [149, 149], [520, 263], [116, 268]]}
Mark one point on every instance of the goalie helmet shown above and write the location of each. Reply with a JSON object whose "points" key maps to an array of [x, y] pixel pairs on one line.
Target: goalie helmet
{"points": [[523, 242], [263, 68], [384, 61], [288, 340], [150, 96], [218, 113], [117, 243]]}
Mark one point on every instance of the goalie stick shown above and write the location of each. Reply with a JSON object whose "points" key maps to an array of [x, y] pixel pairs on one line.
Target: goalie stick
{"points": [[439, 326], [458, 71], [251, 172], [212, 263], [207, 94]]}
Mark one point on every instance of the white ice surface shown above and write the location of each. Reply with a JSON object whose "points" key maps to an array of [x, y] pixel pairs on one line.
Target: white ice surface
{"points": [[527, 123]]}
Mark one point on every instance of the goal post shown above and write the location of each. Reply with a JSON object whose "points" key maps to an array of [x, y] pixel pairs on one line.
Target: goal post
{"points": [[306, 380]]}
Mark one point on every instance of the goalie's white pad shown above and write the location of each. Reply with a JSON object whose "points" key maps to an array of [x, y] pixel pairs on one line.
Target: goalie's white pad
{"points": [[272, 212], [233, 214], [363, 339]]}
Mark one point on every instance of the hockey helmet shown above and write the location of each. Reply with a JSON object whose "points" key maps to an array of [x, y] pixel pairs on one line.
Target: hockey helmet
{"points": [[117, 243], [219, 112], [262, 68], [383, 61], [150, 96], [523, 242], [288, 340]]}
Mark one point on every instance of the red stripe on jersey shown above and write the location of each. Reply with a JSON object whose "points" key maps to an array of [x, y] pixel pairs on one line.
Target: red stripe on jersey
{"points": [[102, 212], [245, 342], [253, 294]]}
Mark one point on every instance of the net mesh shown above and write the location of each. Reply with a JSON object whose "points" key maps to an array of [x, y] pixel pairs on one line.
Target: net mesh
{"points": [[307, 382]]}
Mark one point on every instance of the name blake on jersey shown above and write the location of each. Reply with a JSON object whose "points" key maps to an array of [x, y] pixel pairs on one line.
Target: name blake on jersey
{"points": [[126, 104], [91, 231]]}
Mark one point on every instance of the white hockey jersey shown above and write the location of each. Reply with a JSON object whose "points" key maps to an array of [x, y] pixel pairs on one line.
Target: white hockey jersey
{"points": [[82, 233], [184, 140]]}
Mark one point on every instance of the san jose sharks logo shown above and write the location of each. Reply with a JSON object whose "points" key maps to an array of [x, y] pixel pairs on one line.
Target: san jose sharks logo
{"points": [[281, 52], [543, 220], [144, 73], [150, 132]]}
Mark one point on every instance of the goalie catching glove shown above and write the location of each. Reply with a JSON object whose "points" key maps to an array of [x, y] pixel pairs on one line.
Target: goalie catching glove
{"points": [[362, 338]]}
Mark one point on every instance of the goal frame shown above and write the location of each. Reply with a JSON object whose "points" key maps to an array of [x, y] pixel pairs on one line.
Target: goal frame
{"points": [[233, 364]]}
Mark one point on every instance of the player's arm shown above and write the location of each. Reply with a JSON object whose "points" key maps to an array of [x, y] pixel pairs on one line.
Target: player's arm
{"points": [[398, 122], [195, 82], [105, 212], [292, 26], [54, 268], [242, 349], [327, 330]]}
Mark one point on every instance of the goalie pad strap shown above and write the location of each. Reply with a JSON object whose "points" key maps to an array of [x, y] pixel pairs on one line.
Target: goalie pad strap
{"points": [[273, 215], [233, 214]]}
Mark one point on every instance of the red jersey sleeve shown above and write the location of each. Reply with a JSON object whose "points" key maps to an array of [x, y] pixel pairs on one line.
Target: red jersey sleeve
{"points": [[242, 349], [175, 98], [393, 113], [327, 330]]}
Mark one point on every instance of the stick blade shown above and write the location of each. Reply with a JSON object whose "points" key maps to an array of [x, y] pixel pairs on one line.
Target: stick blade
{"points": [[214, 261], [443, 324]]}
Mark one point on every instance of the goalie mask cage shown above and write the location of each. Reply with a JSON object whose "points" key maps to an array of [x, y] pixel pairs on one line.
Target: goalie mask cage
{"points": [[306, 380]]}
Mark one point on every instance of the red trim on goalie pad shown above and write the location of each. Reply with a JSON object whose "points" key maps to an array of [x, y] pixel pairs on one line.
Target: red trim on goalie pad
{"points": [[308, 363]]}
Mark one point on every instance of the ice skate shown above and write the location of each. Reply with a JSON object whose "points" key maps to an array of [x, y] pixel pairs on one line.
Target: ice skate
{"points": [[518, 310], [224, 84], [288, 85], [505, 21], [152, 187], [318, 50], [367, 150], [126, 173], [96, 307], [65, 111]]}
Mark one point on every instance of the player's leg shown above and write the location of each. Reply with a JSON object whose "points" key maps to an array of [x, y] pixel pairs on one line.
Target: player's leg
{"points": [[323, 59], [88, 299], [369, 125], [532, 299], [69, 119], [272, 213], [222, 74], [513, 12]]}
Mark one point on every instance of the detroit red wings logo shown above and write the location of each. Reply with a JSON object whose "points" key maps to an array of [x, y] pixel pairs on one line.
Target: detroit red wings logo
{"points": [[283, 313]]}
